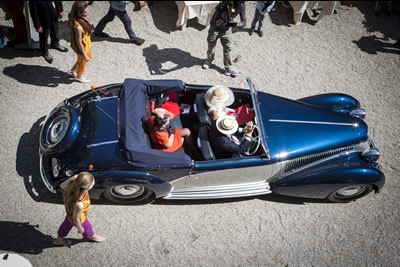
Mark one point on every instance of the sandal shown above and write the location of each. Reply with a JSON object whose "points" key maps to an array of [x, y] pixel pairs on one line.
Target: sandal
{"points": [[72, 74], [81, 80], [61, 242]]}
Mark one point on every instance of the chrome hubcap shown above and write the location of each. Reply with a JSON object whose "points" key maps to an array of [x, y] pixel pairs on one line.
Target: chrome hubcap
{"points": [[127, 191], [350, 191]]}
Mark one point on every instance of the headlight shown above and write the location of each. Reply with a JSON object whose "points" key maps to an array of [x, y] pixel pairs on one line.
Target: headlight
{"points": [[371, 155], [56, 170]]}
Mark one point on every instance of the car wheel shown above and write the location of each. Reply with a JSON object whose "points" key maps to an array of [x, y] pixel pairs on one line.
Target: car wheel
{"points": [[129, 194], [350, 192]]}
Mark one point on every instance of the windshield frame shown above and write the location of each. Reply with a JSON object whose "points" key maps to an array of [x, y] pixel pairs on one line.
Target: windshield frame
{"points": [[258, 118]]}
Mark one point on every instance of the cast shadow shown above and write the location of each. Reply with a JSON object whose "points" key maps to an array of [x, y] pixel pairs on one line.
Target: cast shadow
{"points": [[280, 15], [164, 14], [28, 166], [155, 58], [37, 75], [387, 25], [24, 238], [372, 45], [269, 197]]}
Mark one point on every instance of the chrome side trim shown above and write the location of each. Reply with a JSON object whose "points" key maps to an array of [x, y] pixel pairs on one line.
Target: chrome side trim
{"points": [[223, 191], [316, 122], [44, 177], [102, 143]]}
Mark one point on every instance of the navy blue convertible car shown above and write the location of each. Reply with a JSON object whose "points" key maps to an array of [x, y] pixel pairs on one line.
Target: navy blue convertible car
{"points": [[315, 147]]}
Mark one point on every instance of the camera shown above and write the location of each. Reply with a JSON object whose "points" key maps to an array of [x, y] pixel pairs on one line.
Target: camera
{"points": [[230, 7]]}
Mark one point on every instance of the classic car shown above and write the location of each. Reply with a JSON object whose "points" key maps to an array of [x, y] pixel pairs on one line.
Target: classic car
{"points": [[315, 147]]}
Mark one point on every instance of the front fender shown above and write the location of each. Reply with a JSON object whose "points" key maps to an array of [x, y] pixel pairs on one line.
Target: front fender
{"points": [[336, 102], [112, 178], [320, 181]]}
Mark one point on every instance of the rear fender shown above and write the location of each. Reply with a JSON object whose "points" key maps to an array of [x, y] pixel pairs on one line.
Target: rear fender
{"points": [[159, 186], [320, 181], [336, 102]]}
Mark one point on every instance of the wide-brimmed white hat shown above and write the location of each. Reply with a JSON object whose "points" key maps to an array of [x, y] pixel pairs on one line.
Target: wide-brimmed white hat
{"points": [[219, 96], [227, 124]]}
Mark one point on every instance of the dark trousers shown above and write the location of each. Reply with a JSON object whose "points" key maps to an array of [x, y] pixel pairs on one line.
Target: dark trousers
{"points": [[53, 32], [123, 16]]}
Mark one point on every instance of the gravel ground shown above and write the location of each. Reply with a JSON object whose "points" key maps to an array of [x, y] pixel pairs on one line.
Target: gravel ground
{"points": [[349, 52]]}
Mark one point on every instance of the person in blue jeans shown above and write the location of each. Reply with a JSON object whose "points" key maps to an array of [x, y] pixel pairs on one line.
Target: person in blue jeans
{"points": [[118, 8], [262, 8]]}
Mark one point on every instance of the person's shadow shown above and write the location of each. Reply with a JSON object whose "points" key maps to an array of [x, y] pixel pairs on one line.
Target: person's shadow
{"points": [[176, 58], [22, 237], [372, 45], [164, 14], [37, 75]]}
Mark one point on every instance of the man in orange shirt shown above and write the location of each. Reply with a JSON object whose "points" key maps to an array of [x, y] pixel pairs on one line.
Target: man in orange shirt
{"points": [[164, 137]]}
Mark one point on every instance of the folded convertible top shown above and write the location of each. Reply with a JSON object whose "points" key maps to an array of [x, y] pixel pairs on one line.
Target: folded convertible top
{"points": [[133, 110]]}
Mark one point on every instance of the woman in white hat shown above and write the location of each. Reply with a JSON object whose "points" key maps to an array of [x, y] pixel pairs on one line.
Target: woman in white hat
{"points": [[223, 141], [218, 98]]}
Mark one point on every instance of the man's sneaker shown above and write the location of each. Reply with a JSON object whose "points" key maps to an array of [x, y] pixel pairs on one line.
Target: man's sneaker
{"points": [[206, 64], [232, 73], [260, 33], [138, 41], [251, 32]]}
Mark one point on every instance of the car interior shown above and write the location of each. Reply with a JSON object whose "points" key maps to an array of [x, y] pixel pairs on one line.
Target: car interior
{"points": [[193, 115]]}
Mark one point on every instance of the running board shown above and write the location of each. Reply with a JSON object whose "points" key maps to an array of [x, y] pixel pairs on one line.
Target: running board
{"points": [[220, 191]]}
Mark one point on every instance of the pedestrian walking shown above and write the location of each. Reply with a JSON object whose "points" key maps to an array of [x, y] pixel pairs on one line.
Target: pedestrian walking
{"points": [[77, 205], [118, 8], [80, 39], [221, 28], [262, 8], [45, 16]]}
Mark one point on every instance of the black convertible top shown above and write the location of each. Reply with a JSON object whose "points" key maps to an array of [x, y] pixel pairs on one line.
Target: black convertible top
{"points": [[133, 112]]}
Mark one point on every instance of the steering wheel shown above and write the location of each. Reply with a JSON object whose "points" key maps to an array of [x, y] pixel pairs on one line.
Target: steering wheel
{"points": [[255, 142]]}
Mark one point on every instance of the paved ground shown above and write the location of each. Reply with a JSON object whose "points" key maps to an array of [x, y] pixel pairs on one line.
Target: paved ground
{"points": [[349, 52]]}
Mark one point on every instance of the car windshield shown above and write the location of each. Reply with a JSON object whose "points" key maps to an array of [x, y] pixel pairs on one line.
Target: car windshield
{"points": [[259, 121]]}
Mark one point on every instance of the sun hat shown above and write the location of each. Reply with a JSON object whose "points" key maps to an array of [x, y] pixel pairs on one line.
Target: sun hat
{"points": [[227, 124], [219, 96]]}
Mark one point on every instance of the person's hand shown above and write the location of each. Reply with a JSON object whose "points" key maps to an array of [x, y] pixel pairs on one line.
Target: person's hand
{"points": [[81, 230], [171, 130], [87, 59], [239, 25], [60, 15], [214, 114], [39, 30], [249, 128]]}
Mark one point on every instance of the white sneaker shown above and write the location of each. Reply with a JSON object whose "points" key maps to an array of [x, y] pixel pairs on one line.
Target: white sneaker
{"points": [[232, 72], [206, 64]]}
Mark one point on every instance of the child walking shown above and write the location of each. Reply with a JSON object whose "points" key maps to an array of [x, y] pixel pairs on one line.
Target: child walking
{"points": [[262, 8], [80, 39], [77, 205]]}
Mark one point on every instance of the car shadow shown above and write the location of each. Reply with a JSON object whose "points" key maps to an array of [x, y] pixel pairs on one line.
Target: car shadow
{"points": [[372, 45], [178, 59], [37, 75], [25, 238], [28, 164], [269, 197]]}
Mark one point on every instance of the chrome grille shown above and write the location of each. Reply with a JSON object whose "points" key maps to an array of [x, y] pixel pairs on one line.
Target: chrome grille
{"points": [[298, 163]]}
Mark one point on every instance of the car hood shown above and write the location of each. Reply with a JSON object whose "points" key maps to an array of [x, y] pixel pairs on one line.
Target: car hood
{"points": [[296, 129], [98, 144]]}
